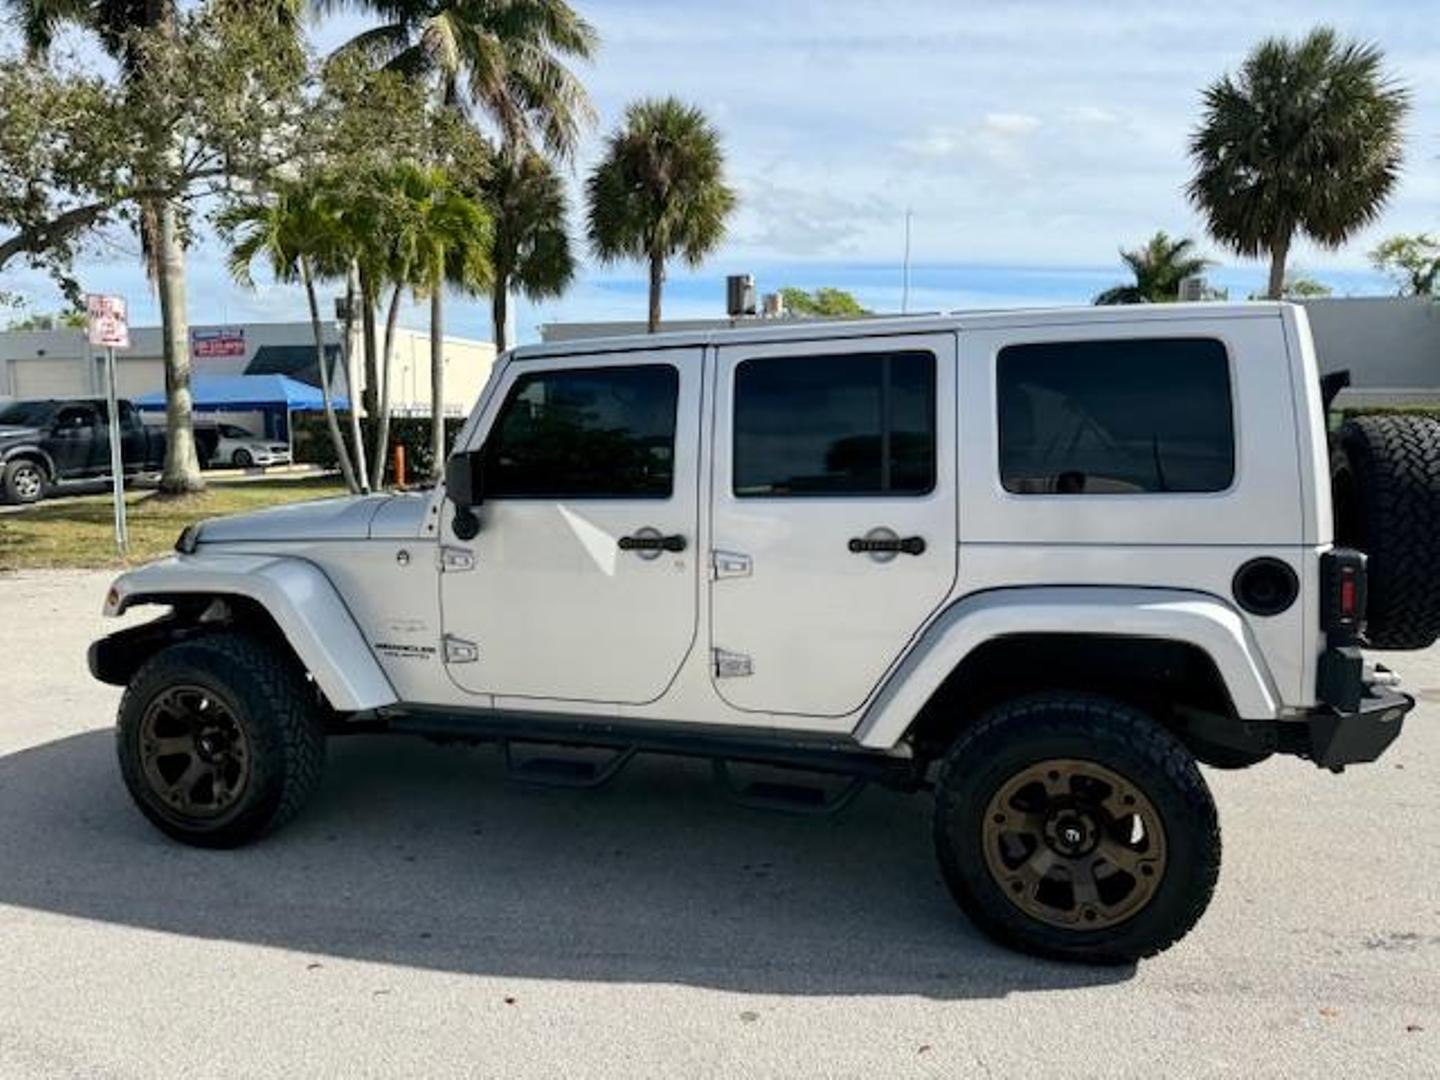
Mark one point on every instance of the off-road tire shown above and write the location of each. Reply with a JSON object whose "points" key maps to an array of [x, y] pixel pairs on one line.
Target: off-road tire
{"points": [[1385, 474], [270, 700], [1021, 733], [23, 481]]}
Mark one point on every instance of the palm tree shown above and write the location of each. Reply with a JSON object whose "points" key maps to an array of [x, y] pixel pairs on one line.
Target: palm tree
{"points": [[1306, 138], [502, 58], [298, 235], [456, 238], [116, 25], [526, 197], [410, 227], [1159, 267], [659, 191]]}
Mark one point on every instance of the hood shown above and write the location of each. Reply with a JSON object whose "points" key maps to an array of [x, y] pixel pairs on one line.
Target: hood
{"points": [[9, 433], [345, 518]]}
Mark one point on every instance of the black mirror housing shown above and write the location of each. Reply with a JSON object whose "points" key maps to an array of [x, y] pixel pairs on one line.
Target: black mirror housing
{"points": [[463, 478]]}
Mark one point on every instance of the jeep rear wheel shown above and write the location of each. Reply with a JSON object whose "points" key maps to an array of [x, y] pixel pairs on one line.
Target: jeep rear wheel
{"points": [[1076, 828], [220, 740]]}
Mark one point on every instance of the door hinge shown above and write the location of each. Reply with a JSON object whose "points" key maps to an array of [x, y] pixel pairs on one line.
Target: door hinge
{"points": [[459, 651], [456, 560], [732, 665], [729, 564]]}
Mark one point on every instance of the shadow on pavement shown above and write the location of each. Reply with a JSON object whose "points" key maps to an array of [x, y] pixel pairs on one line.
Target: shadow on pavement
{"points": [[426, 857]]}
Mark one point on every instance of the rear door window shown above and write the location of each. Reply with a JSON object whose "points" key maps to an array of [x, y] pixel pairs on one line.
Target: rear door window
{"points": [[835, 425], [1116, 417]]}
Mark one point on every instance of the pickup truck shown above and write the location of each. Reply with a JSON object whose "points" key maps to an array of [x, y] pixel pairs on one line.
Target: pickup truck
{"points": [[46, 442]]}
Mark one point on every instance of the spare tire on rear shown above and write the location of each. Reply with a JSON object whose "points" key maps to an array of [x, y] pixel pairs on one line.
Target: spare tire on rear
{"points": [[1385, 475]]}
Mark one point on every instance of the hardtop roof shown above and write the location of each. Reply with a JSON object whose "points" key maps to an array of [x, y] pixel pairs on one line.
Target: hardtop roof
{"points": [[780, 330]]}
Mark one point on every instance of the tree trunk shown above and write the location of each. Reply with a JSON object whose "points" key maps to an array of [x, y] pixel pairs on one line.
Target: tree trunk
{"points": [[382, 425], [1279, 251], [181, 473], [368, 295], [437, 383], [352, 384], [500, 312], [342, 456], [657, 283]]}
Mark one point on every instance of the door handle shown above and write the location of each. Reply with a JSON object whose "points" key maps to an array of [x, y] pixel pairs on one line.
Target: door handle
{"points": [[652, 542], [872, 545]]}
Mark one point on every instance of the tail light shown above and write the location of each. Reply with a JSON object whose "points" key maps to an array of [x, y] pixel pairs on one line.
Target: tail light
{"points": [[1342, 575]]}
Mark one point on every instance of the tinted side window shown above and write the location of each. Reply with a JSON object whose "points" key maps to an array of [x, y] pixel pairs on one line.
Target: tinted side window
{"points": [[858, 424], [1116, 417], [586, 433], [76, 416]]}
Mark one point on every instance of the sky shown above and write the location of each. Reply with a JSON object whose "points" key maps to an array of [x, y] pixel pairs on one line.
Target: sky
{"points": [[1029, 139]]}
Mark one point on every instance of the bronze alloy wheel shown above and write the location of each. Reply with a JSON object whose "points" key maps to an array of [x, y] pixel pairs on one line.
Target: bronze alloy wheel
{"points": [[194, 755], [1074, 844]]}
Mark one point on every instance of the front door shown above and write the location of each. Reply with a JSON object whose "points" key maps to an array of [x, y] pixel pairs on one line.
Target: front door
{"points": [[581, 582], [834, 515], [77, 440]]}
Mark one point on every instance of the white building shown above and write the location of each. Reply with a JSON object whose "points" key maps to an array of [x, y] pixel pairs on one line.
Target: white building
{"points": [[60, 363]]}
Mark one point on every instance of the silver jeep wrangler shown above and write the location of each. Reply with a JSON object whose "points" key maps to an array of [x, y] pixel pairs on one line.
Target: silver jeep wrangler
{"points": [[1041, 563]]}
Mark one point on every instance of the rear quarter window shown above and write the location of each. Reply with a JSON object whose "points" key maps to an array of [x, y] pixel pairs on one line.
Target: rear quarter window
{"points": [[1132, 417]]}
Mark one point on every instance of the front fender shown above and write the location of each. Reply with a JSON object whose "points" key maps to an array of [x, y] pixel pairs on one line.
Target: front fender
{"points": [[296, 594], [30, 450], [1163, 614]]}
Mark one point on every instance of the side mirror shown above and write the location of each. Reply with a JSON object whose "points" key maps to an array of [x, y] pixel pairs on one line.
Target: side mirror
{"points": [[464, 476]]}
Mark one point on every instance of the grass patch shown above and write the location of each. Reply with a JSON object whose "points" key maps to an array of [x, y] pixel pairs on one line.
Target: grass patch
{"points": [[80, 532]]}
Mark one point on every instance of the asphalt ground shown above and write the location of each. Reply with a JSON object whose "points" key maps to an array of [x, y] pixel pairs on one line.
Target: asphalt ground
{"points": [[424, 917]]}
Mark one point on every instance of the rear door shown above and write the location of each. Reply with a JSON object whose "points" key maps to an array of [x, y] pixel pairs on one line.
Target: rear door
{"points": [[834, 515]]}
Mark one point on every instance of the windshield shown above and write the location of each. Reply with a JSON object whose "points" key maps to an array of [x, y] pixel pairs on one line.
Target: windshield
{"points": [[25, 413]]}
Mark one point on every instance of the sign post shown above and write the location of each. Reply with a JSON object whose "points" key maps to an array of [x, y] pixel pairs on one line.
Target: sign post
{"points": [[105, 316]]}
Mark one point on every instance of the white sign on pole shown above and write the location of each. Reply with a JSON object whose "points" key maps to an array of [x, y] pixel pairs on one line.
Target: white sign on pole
{"points": [[110, 330], [105, 315]]}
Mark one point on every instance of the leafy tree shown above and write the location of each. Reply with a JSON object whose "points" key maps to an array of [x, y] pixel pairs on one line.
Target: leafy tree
{"points": [[824, 302], [526, 197], [1412, 261], [1298, 287], [659, 191], [177, 116], [1304, 287], [1306, 139], [1159, 267], [65, 320]]}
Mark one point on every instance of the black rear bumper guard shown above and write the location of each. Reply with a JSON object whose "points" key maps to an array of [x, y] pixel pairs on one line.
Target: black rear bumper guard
{"points": [[1337, 738]]}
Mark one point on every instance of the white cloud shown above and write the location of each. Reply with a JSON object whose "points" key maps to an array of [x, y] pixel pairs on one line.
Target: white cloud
{"points": [[1029, 133], [1010, 124]]}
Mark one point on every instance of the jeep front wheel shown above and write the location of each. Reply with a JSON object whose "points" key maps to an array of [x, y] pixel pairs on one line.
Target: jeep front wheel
{"points": [[1077, 828], [220, 740]]}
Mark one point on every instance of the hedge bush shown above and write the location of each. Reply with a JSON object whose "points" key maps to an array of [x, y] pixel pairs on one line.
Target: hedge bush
{"points": [[313, 446]]}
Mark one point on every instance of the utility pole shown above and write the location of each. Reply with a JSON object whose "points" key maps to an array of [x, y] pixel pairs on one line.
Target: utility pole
{"points": [[905, 271]]}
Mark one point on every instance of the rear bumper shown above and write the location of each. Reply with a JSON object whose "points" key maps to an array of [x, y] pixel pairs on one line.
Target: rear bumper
{"points": [[1337, 738]]}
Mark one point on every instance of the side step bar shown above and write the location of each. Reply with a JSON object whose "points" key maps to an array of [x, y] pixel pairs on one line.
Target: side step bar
{"points": [[820, 754]]}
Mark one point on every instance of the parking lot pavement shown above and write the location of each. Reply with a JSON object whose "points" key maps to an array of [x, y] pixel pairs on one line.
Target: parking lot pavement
{"points": [[426, 918]]}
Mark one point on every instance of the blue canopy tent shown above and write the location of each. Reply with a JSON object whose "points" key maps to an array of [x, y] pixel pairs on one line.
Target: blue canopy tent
{"points": [[276, 396]]}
